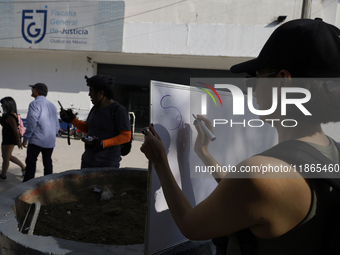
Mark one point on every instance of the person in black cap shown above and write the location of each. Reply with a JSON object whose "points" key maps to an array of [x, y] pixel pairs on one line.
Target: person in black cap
{"points": [[271, 215], [42, 127], [107, 125]]}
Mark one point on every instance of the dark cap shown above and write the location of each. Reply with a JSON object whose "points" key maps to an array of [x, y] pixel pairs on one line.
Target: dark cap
{"points": [[304, 47], [41, 87], [100, 81]]}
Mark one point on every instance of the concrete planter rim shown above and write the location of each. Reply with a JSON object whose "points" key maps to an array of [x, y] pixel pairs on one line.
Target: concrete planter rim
{"points": [[10, 235]]}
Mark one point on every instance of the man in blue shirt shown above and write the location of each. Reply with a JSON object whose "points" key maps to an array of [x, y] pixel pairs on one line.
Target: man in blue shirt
{"points": [[42, 127]]}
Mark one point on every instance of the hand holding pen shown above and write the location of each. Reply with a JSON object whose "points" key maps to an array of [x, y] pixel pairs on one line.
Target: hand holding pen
{"points": [[205, 129], [153, 147]]}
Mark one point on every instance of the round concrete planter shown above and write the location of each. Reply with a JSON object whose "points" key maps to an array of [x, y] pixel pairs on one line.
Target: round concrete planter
{"points": [[15, 202]]}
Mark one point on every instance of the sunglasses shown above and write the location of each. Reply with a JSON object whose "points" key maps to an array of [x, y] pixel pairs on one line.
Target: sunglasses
{"points": [[252, 82]]}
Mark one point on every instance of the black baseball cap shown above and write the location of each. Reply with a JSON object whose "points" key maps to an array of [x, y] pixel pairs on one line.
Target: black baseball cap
{"points": [[41, 87], [100, 80], [304, 47]]}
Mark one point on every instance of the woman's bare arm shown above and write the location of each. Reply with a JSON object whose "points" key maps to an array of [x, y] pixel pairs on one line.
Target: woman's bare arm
{"points": [[234, 205], [202, 144]]}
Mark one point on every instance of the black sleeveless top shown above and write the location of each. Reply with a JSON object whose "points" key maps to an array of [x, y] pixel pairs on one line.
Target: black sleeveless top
{"points": [[8, 135], [317, 234]]}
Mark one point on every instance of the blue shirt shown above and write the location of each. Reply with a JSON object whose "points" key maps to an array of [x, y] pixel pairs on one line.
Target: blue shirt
{"points": [[42, 123]]}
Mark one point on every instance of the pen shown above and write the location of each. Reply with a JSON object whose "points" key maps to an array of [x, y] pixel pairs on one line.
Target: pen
{"points": [[145, 131], [211, 136]]}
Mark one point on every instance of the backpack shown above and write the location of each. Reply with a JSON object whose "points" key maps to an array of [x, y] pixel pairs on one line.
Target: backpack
{"points": [[125, 148], [21, 128], [297, 153]]}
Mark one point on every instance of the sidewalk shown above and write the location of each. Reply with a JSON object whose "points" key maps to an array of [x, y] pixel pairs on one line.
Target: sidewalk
{"points": [[67, 157]]}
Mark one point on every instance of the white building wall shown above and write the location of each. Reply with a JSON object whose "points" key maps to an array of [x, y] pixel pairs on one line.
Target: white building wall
{"points": [[62, 72], [211, 34], [239, 12], [195, 39]]}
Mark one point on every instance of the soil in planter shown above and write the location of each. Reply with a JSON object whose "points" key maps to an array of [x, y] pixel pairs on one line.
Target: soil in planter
{"points": [[84, 217]]}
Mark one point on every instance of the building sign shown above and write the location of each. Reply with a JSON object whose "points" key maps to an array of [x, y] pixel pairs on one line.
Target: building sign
{"points": [[91, 26]]}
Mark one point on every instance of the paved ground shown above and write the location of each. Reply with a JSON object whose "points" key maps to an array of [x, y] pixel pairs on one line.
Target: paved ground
{"points": [[67, 157]]}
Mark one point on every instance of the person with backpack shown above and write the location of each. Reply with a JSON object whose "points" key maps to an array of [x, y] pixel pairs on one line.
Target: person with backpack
{"points": [[107, 125], [10, 135], [261, 213]]}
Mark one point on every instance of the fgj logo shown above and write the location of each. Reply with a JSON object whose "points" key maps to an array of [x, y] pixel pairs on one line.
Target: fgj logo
{"points": [[208, 92], [238, 104], [32, 30]]}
